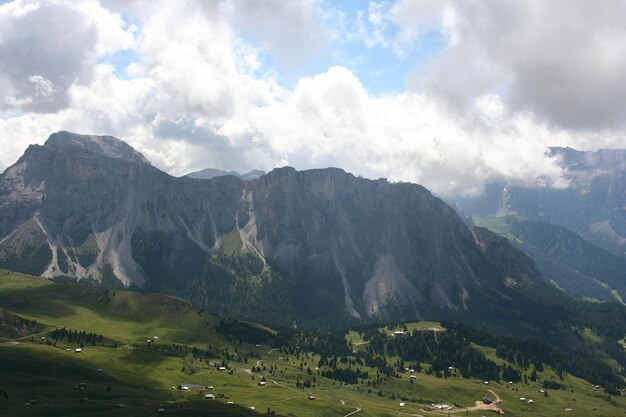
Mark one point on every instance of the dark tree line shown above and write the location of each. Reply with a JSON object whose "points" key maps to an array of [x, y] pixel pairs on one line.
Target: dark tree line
{"points": [[347, 375], [234, 330], [442, 350], [531, 349], [76, 337], [324, 343]]}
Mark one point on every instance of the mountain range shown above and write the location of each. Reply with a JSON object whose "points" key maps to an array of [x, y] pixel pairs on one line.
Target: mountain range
{"points": [[564, 258], [317, 245], [208, 173], [593, 204]]}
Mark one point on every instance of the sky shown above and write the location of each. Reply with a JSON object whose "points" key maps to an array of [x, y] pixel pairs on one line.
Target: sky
{"points": [[451, 94]]}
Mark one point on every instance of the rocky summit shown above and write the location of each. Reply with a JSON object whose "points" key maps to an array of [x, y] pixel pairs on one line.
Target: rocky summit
{"points": [[288, 245]]}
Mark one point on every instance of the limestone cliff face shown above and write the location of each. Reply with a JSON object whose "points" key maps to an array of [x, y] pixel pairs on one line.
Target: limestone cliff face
{"points": [[89, 201], [322, 243], [376, 247]]}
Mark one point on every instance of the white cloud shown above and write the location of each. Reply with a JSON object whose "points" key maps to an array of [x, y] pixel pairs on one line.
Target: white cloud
{"points": [[403, 136], [414, 18], [200, 94], [563, 60], [16, 133], [45, 47], [289, 30]]}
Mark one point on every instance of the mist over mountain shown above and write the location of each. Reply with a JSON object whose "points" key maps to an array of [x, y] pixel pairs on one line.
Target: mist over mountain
{"points": [[310, 245], [593, 204], [208, 173]]}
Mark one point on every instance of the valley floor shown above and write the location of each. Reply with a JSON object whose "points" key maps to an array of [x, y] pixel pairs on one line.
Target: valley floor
{"points": [[122, 374]]}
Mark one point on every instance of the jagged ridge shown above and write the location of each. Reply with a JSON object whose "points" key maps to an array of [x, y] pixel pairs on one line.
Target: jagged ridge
{"points": [[327, 244]]}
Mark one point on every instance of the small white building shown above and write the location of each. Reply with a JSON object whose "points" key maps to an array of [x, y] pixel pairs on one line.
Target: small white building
{"points": [[402, 404], [78, 350], [209, 396], [262, 383]]}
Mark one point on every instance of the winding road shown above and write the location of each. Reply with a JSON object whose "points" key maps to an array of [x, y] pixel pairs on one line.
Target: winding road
{"points": [[354, 412]]}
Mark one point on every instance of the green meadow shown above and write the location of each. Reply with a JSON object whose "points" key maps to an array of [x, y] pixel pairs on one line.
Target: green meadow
{"points": [[122, 374]]}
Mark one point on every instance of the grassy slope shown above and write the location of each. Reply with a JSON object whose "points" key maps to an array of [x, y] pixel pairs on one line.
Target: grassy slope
{"points": [[232, 243], [26, 249], [141, 377], [558, 272]]}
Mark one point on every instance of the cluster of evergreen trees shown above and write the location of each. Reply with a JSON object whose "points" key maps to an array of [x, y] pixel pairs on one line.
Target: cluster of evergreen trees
{"points": [[76, 337], [234, 330], [347, 375], [216, 283], [447, 353], [444, 351], [529, 349], [324, 343]]}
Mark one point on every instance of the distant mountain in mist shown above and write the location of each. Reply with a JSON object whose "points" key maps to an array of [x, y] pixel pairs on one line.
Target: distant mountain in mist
{"points": [[593, 205], [208, 173]]}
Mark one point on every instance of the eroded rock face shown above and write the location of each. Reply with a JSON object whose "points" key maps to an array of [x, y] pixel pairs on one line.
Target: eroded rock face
{"points": [[376, 247], [318, 243], [89, 199]]}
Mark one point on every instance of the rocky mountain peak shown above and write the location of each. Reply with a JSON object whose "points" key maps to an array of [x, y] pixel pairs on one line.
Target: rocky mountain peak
{"points": [[609, 160], [208, 173], [100, 145]]}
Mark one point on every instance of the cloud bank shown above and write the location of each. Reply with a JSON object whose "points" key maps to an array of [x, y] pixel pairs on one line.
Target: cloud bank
{"points": [[193, 84]]}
